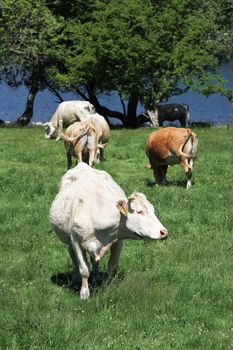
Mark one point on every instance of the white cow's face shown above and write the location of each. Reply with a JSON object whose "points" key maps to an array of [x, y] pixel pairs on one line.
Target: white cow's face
{"points": [[49, 131], [141, 220]]}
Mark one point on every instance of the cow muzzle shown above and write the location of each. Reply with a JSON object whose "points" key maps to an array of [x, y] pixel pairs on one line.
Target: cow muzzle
{"points": [[163, 234]]}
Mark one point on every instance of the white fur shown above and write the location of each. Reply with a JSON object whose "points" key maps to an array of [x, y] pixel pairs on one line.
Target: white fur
{"points": [[86, 215], [89, 148], [67, 113]]}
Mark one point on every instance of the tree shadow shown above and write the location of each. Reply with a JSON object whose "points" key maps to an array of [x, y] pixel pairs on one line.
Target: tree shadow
{"points": [[96, 282]]}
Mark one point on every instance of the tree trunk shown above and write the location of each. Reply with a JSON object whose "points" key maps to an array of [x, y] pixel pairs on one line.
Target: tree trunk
{"points": [[131, 120], [101, 109], [25, 118]]}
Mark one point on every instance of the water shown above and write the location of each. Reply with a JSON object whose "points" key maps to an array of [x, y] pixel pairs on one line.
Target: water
{"points": [[215, 109]]}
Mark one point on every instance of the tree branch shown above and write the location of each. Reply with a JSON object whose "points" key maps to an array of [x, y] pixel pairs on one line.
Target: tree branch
{"points": [[82, 94], [56, 93], [106, 112]]}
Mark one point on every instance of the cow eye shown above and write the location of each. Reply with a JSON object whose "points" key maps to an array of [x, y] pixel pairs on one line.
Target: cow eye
{"points": [[140, 212]]}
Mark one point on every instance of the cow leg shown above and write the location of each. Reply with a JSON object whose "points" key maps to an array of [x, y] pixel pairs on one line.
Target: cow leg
{"points": [[83, 267], [91, 157], [98, 156], [189, 173], [182, 122], [101, 154], [187, 166], [69, 160], [114, 256], [95, 267], [156, 173], [75, 270], [163, 173], [79, 157], [160, 172]]}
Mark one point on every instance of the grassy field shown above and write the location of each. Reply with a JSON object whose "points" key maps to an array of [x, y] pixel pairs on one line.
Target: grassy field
{"points": [[175, 294]]}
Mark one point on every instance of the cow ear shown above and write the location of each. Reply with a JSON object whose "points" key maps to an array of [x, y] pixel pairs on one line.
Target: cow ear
{"points": [[123, 207]]}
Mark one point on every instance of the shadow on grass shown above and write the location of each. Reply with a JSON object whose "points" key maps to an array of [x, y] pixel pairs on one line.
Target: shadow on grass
{"points": [[96, 283], [181, 183]]}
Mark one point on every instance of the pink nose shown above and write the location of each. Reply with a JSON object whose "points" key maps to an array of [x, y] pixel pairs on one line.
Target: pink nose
{"points": [[163, 234]]}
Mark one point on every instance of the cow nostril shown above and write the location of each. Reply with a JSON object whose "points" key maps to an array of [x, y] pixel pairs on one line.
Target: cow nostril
{"points": [[163, 234]]}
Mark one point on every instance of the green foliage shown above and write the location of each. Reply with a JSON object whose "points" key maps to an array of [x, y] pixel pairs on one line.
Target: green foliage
{"points": [[175, 294], [146, 51], [29, 36]]}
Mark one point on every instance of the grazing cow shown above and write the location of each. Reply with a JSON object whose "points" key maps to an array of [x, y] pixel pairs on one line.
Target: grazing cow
{"points": [[89, 147], [76, 142], [169, 112], [92, 214], [67, 113], [169, 146], [102, 134]]}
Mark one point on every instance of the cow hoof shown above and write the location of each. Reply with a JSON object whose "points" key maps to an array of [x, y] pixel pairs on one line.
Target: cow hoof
{"points": [[84, 293]]}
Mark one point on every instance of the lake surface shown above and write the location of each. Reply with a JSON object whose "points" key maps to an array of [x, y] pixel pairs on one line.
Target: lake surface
{"points": [[215, 109]]}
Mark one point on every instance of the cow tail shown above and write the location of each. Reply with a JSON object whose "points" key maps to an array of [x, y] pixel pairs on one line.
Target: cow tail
{"points": [[194, 142], [76, 138], [192, 154]]}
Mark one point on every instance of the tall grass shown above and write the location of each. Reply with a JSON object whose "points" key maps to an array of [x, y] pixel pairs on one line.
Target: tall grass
{"points": [[175, 294]]}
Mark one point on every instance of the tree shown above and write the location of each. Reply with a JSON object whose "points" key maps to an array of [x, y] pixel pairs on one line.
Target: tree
{"points": [[29, 36], [146, 51], [225, 35]]}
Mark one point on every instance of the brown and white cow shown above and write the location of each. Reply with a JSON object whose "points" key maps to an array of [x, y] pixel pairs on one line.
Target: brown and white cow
{"points": [[92, 214], [169, 146]]}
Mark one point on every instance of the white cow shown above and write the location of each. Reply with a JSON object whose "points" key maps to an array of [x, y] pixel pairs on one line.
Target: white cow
{"points": [[90, 147], [102, 132], [92, 214], [67, 113]]}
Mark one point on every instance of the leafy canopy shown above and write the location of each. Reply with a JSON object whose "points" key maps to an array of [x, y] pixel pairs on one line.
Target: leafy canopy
{"points": [[29, 37], [146, 51]]}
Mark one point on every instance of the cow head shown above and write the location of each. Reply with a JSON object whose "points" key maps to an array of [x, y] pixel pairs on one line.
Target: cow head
{"points": [[140, 219], [50, 131]]}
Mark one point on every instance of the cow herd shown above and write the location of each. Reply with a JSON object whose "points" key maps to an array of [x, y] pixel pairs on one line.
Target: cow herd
{"points": [[91, 213]]}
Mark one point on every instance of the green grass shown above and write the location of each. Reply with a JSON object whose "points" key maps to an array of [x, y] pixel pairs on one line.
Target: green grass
{"points": [[175, 294]]}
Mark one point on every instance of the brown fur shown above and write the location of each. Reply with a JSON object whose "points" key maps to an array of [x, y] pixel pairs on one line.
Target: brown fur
{"points": [[169, 146]]}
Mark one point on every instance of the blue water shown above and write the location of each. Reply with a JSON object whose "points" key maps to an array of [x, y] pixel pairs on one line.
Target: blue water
{"points": [[215, 109]]}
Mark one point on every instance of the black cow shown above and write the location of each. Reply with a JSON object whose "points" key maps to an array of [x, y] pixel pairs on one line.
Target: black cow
{"points": [[169, 112]]}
